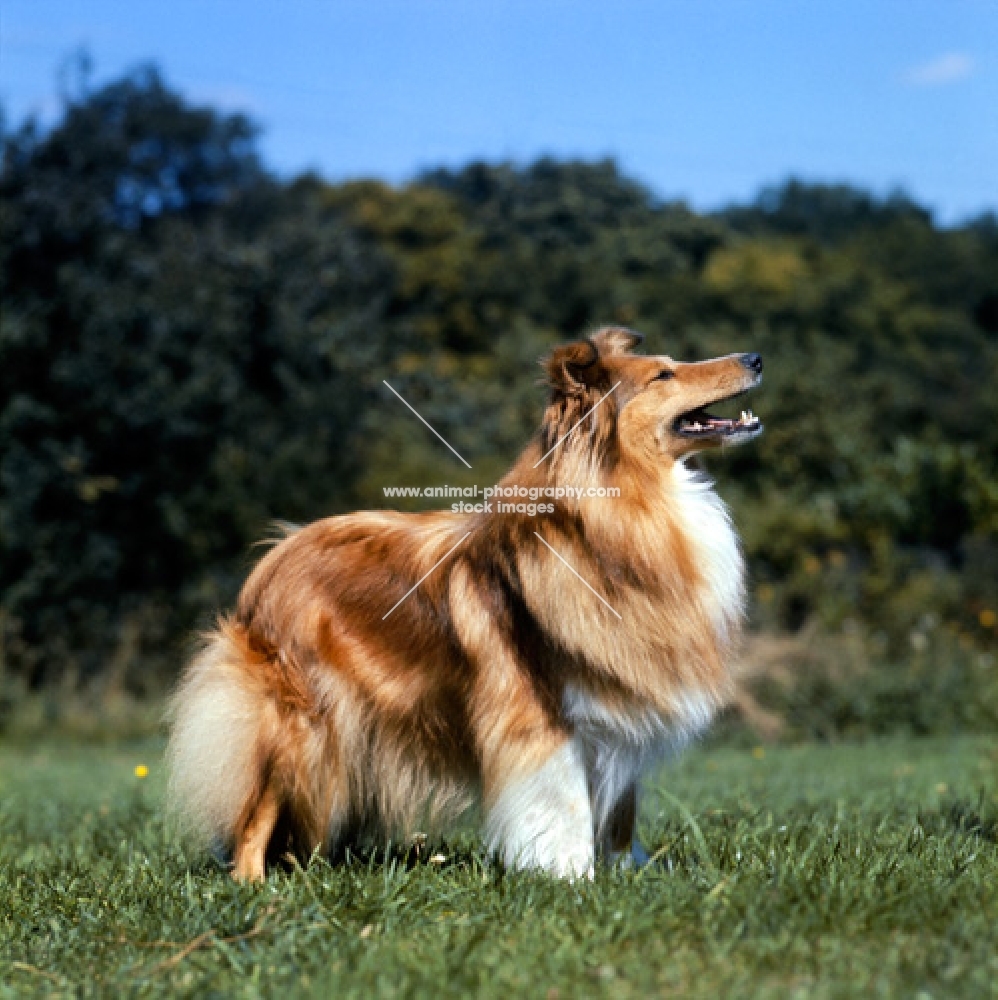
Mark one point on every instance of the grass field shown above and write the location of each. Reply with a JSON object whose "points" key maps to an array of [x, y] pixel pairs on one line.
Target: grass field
{"points": [[812, 871]]}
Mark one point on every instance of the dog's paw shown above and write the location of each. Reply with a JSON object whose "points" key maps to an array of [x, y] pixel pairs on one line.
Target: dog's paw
{"points": [[639, 856], [642, 859], [573, 862], [575, 872], [221, 853]]}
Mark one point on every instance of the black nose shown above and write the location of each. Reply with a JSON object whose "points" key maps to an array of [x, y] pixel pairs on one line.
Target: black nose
{"points": [[753, 362]]}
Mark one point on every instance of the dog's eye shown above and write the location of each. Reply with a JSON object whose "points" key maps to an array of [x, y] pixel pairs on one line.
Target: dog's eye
{"points": [[664, 375]]}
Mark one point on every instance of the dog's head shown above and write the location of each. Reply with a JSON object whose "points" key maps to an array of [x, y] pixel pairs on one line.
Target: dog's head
{"points": [[650, 403]]}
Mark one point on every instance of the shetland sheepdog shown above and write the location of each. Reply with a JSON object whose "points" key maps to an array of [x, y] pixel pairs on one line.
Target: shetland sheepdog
{"points": [[541, 666]]}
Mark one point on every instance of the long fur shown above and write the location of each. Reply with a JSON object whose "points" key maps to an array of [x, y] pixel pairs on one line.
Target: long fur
{"points": [[308, 718]]}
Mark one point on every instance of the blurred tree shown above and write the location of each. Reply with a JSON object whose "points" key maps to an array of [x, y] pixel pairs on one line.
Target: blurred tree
{"points": [[172, 368], [189, 348]]}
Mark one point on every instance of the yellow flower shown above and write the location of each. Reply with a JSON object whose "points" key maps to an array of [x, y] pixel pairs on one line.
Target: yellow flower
{"points": [[141, 771], [987, 618], [759, 753], [812, 565]]}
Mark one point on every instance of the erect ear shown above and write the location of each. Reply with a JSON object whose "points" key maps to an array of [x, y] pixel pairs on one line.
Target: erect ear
{"points": [[616, 340], [572, 368]]}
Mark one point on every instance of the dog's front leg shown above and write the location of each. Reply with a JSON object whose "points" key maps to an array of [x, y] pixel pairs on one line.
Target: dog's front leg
{"points": [[533, 770], [619, 841], [543, 818]]}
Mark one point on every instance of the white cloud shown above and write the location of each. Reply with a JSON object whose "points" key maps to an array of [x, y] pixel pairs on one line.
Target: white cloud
{"points": [[947, 68]]}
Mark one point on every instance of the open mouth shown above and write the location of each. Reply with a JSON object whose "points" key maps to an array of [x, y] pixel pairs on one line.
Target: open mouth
{"points": [[699, 423]]}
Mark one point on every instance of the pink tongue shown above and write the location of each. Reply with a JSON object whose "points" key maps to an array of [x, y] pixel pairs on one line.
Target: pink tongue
{"points": [[719, 423]]}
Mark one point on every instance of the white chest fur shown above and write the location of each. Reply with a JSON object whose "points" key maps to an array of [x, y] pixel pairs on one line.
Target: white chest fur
{"points": [[619, 746], [716, 553]]}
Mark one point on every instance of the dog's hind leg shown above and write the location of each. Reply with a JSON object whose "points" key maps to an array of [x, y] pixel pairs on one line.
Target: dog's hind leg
{"points": [[253, 833]]}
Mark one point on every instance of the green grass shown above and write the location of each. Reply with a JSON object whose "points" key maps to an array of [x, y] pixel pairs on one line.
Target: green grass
{"points": [[824, 871]]}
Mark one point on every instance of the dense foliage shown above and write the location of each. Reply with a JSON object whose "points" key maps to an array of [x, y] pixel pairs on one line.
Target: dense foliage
{"points": [[190, 348]]}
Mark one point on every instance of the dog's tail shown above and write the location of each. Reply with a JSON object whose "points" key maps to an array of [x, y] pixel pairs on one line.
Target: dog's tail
{"points": [[216, 721]]}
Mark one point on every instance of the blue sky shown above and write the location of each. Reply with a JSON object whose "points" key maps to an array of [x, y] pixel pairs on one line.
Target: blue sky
{"points": [[705, 100]]}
